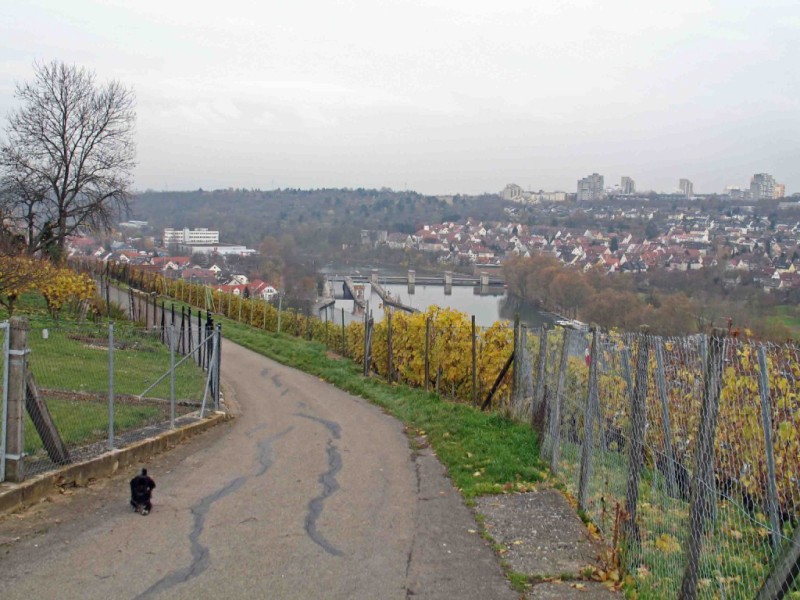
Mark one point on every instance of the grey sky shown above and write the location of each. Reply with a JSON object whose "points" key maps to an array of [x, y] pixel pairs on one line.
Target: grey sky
{"points": [[441, 96]]}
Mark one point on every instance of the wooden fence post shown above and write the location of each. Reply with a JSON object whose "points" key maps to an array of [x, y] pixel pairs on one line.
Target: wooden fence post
{"points": [[538, 407], [638, 397], [344, 337], [515, 377], [474, 366], [366, 341], [390, 371], [588, 427], [427, 353], [554, 422], [766, 421], [702, 491], [672, 485], [785, 571]]}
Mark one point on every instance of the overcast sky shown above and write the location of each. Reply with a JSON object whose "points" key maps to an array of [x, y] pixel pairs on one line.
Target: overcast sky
{"points": [[438, 96]]}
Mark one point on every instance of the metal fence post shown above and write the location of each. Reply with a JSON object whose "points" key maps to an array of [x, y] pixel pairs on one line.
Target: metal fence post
{"points": [[588, 427], [766, 420], [6, 347], [172, 377], [702, 491], [111, 385], [218, 365]]}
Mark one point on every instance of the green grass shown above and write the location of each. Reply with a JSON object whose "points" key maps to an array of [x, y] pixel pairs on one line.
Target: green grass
{"points": [[736, 557], [74, 359], [81, 423], [789, 316], [483, 452]]}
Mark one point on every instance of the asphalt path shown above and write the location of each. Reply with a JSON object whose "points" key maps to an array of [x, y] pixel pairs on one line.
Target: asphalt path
{"points": [[308, 493]]}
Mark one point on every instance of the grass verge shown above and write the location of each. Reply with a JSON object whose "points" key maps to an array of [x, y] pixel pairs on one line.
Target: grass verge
{"points": [[483, 452]]}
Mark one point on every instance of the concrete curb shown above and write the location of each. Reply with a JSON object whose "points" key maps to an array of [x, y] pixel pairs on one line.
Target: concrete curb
{"points": [[39, 487]]}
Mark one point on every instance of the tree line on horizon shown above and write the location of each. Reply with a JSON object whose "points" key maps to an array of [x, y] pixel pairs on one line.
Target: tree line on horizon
{"points": [[669, 303]]}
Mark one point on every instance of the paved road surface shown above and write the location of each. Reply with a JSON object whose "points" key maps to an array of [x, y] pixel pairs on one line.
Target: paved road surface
{"points": [[309, 493]]}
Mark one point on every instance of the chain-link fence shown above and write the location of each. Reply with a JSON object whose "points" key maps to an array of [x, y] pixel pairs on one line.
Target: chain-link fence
{"points": [[90, 388], [684, 452]]}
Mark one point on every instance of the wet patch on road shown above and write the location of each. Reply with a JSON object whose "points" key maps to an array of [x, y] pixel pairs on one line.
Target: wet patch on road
{"points": [[265, 451], [200, 553], [276, 380], [329, 486], [264, 372]]}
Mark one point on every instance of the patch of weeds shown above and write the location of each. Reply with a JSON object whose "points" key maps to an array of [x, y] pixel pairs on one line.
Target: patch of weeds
{"points": [[519, 581]]}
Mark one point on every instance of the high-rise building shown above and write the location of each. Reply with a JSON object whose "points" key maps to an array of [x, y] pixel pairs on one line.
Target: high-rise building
{"points": [[687, 187], [512, 192], [590, 188], [627, 186], [762, 187], [780, 191], [735, 192]]}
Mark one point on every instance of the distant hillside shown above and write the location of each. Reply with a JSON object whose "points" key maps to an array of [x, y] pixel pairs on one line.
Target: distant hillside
{"points": [[316, 218]]}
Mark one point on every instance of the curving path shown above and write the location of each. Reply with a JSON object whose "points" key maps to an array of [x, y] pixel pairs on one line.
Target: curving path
{"points": [[309, 493]]}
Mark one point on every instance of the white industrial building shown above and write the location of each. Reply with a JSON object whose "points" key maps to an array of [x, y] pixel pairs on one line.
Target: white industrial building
{"points": [[201, 235], [220, 249]]}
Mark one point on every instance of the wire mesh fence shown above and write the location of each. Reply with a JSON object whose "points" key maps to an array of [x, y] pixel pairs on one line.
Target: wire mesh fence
{"points": [[684, 451], [92, 387]]}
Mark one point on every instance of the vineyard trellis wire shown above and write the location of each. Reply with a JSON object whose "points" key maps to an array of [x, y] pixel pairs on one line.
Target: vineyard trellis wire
{"points": [[685, 451]]}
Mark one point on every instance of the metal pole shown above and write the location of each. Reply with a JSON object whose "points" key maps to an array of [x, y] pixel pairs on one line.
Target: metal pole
{"points": [[6, 347], [172, 377], [111, 386], [280, 308], [218, 364]]}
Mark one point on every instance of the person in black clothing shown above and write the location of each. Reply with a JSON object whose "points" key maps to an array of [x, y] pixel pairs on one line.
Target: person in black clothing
{"points": [[141, 488]]}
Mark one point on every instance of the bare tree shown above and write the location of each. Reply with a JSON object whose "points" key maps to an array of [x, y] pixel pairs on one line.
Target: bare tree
{"points": [[68, 158]]}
